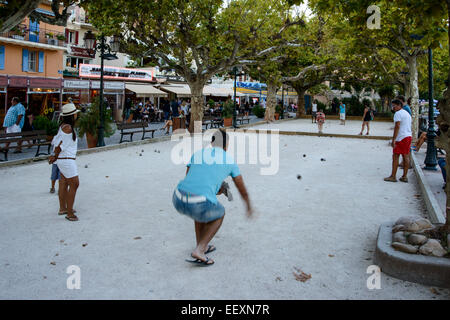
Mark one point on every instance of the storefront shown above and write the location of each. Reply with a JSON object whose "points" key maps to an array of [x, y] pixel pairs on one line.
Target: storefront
{"points": [[44, 95], [144, 92], [77, 90], [3, 101], [113, 93]]}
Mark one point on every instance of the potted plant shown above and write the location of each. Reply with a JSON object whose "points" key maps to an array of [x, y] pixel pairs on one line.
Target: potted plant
{"points": [[227, 114], [278, 112], [18, 33], [40, 123], [89, 122], [49, 35], [258, 111], [51, 129], [61, 37]]}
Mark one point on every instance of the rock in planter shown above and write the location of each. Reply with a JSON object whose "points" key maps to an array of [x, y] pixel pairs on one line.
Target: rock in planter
{"points": [[404, 247], [399, 237], [417, 239], [397, 228], [414, 223], [432, 248]]}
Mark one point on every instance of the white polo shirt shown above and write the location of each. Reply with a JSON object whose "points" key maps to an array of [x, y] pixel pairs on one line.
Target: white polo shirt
{"points": [[404, 118]]}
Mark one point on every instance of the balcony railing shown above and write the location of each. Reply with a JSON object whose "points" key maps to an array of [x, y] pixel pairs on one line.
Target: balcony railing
{"points": [[45, 36]]}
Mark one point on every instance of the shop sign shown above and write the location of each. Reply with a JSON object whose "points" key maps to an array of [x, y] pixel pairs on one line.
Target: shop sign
{"points": [[3, 81], [110, 85], [76, 84], [81, 52], [45, 83], [93, 71], [18, 82]]}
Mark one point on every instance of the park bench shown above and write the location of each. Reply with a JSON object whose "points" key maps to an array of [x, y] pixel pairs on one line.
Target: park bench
{"points": [[241, 119], [132, 128], [213, 123], [39, 138]]}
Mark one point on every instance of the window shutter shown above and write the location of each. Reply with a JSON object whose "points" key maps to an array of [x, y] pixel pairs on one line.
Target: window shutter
{"points": [[24, 60], [2, 57], [76, 37], [41, 61]]}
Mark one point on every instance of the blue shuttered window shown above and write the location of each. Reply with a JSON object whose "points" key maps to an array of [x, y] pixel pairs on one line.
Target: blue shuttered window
{"points": [[24, 60], [2, 57], [41, 61]]}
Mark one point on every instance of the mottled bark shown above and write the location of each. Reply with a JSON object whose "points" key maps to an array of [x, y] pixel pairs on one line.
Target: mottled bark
{"points": [[196, 106], [300, 101], [414, 94], [271, 102]]}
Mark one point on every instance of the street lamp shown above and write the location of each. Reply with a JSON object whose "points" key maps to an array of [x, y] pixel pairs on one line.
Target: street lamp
{"points": [[105, 54], [259, 79], [235, 71], [282, 100], [430, 159]]}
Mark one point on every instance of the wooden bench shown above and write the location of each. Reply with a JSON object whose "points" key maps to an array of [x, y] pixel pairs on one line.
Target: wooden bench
{"points": [[39, 138], [213, 123], [132, 128], [241, 120]]}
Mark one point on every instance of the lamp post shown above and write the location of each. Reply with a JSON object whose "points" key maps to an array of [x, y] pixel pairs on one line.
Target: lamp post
{"points": [[430, 159], [282, 100], [105, 54], [259, 79]]}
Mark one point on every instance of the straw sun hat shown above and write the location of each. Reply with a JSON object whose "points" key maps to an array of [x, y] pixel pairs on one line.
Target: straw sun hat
{"points": [[69, 109]]}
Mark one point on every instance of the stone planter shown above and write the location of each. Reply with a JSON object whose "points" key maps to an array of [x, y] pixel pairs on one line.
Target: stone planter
{"points": [[91, 140], [277, 116], [227, 122]]}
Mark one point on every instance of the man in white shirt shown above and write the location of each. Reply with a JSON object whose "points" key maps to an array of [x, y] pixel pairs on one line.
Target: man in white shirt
{"points": [[401, 141], [314, 111]]}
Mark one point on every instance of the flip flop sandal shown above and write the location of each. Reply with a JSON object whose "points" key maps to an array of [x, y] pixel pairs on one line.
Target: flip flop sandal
{"points": [[65, 212], [402, 179], [211, 248], [72, 218], [201, 263]]}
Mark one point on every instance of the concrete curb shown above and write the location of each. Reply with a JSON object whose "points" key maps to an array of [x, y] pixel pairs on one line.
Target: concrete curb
{"points": [[433, 208], [242, 128], [86, 151], [302, 133], [431, 271]]}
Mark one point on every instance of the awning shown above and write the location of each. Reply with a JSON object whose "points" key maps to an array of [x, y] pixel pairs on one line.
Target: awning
{"points": [[181, 90], [220, 92], [143, 91]]}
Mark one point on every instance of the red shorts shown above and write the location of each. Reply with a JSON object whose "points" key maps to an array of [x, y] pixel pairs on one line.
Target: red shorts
{"points": [[403, 146]]}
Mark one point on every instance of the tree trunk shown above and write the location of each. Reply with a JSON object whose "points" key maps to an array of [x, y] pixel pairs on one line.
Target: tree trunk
{"points": [[271, 101], [300, 101], [196, 106], [414, 95], [445, 135]]}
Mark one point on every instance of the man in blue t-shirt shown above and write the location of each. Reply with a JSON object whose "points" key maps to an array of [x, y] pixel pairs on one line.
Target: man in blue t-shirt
{"points": [[405, 105], [195, 195], [14, 121], [342, 113]]}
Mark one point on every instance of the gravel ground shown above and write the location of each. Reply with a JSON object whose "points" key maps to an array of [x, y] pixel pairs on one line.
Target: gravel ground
{"points": [[131, 244]]}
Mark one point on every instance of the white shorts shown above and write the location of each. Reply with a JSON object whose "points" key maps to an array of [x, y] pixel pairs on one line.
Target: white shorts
{"points": [[342, 115], [13, 129], [67, 167]]}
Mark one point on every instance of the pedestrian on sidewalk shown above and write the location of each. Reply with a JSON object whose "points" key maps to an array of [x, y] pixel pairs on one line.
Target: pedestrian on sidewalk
{"points": [[401, 141], [314, 112], [320, 119], [65, 156], [342, 113], [15, 120], [405, 104], [195, 196], [367, 117]]}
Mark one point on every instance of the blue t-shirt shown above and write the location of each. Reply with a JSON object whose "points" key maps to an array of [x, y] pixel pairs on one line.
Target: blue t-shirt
{"points": [[13, 113], [208, 168], [342, 108], [408, 109]]}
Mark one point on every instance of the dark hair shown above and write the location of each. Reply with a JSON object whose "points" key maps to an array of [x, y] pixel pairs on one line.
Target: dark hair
{"points": [[409, 101], [397, 102], [220, 139], [70, 121], [402, 98], [16, 99]]}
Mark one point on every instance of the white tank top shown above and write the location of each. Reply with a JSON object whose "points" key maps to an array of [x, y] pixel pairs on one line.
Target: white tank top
{"points": [[68, 146]]}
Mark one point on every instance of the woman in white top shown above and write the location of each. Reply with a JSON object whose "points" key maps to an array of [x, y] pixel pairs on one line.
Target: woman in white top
{"points": [[65, 153]]}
